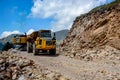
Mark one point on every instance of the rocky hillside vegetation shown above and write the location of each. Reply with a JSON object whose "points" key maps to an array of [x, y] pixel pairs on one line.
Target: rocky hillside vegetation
{"points": [[95, 34]]}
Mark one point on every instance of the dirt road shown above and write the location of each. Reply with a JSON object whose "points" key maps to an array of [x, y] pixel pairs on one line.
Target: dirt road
{"points": [[76, 69]]}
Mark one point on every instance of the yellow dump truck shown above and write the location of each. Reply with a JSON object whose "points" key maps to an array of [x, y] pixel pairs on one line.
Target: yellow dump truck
{"points": [[41, 41]]}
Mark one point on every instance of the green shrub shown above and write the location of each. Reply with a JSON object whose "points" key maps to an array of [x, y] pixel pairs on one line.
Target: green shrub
{"points": [[106, 6]]}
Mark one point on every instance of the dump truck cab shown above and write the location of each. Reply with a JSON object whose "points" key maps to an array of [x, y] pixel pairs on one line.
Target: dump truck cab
{"points": [[42, 41]]}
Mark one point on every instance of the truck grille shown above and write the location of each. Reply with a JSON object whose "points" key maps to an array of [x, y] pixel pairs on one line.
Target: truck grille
{"points": [[48, 43], [40, 42]]}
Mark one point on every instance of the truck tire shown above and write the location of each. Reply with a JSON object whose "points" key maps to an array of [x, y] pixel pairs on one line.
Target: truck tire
{"points": [[35, 51], [52, 52], [28, 47]]}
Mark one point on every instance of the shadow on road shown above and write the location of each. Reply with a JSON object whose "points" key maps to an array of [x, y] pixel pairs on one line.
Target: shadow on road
{"points": [[46, 54], [41, 54]]}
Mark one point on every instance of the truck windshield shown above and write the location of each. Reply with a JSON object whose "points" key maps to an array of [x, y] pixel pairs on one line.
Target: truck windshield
{"points": [[45, 34]]}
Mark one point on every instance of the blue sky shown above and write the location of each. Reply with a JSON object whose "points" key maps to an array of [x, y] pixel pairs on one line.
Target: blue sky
{"points": [[19, 16]]}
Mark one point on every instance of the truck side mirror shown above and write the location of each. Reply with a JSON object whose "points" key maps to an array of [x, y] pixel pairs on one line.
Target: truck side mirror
{"points": [[54, 37]]}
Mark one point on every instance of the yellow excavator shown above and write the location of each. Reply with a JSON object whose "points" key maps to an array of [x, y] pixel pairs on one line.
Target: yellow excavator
{"points": [[20, 40], [38, 41]]}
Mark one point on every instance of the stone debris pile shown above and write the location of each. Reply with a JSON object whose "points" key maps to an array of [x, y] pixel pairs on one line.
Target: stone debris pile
{"points": [[14, 67], [105, 53]]}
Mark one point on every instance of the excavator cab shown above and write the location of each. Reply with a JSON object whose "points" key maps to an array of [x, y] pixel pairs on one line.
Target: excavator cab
{"points": [[20, 40]]}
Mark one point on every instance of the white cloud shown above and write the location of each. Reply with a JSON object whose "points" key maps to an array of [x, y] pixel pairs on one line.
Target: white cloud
{"points": [[7, 33], [63, 12], [30, 31], [103, 1]]}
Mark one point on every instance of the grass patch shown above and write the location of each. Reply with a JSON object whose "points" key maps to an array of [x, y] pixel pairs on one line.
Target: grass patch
{"points": [[106, 6]]}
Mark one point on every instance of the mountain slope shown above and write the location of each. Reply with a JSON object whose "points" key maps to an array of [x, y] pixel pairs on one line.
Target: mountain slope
{"points": [[7, 39], [93, 30], [60, 35]]}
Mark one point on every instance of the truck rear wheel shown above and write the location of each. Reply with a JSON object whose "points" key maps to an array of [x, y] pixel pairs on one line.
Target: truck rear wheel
{"points": [[52, 51], [35, 51]]}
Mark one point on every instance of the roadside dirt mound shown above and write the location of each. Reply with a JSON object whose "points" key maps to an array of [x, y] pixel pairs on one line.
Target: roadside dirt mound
{"points": [[14, 67], [93, 31]]}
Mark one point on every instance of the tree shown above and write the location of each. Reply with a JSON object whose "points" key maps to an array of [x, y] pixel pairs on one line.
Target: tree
{"points": [[7, 46]]}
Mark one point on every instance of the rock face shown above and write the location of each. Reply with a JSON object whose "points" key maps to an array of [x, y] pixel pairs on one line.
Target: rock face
{"points": [[14, 67], [92, 31]]}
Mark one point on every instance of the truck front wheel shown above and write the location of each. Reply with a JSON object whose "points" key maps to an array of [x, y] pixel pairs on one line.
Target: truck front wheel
{"points": [[52, 51], [35, 51], [28, 47]]}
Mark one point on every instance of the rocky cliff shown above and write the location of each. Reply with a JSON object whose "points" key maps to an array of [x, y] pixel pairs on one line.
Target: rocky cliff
{"points": [[95, 30]]}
